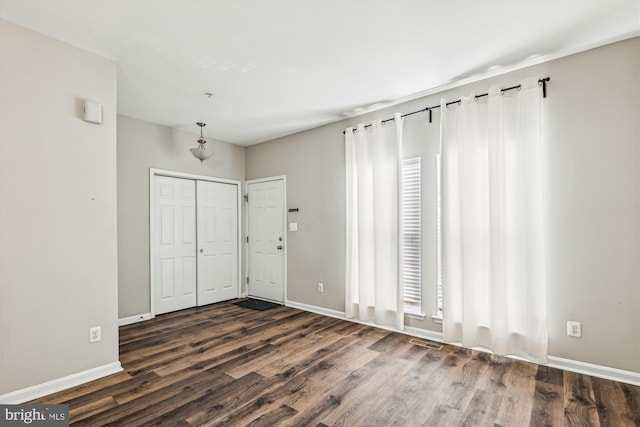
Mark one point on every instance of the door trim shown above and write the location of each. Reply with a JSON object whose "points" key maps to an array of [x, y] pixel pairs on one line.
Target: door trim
{"points": [[285, 228], [153, 172]]}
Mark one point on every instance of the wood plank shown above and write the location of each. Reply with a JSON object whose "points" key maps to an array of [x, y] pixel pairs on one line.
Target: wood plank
{"points": [[319, 392], [376, 398], [423, 398], [232, 402], [158, 402], [632, 397], [445, 415], [210, 399], [273, 417], [613, 410], [341, 405], [96, 406], [286, 357], [579, 401], [90, 389], [549, 375], [483, 408], [515, 382], [81, 405], [230, 346], [548, 404], [287, 383]]}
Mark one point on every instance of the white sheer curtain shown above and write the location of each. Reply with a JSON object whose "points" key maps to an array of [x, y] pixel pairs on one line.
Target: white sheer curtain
{"points": [[373, 170], [492, 209]]}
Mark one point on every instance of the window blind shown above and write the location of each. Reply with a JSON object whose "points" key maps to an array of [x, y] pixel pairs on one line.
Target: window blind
{"points": [[411, 235], [439, 225]]}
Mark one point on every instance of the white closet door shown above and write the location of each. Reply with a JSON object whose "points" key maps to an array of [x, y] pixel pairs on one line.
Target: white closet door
{"points": [[217, 242], [175, 244]]}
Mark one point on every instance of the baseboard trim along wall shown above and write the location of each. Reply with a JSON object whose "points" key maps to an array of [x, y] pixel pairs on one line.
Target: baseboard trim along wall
{"points": [[316, 309], [599, 371], [53, 386], [134, 319]]}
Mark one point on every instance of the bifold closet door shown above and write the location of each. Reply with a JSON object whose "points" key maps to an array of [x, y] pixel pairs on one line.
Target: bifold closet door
{"points": [[175, 263], [217, 241]]}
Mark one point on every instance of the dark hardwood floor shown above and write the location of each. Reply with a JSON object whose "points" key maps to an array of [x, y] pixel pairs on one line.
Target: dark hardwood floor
{"points": [[223, 365]]}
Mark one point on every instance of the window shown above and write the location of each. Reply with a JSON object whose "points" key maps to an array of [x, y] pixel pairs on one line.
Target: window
{"points": [[439, 238], [411, 236]]}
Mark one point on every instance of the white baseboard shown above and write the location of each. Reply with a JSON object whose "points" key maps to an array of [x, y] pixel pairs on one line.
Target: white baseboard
{"points": [[53, 386], [316, 309], [599, 371], [423, 333], [134, 319]]}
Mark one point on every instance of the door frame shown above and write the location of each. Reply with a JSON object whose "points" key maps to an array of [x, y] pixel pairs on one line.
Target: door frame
{"points": [[153, 172], [282, 178]]}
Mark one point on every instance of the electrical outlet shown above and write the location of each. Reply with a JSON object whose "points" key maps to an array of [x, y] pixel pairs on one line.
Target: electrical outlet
{"points": [[320, 287], [95, 334], [574, 329]]}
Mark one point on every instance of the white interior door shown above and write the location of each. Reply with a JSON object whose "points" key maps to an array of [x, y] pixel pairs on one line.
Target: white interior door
{"points": [[217, 242], [266, 240], [175, 244]]}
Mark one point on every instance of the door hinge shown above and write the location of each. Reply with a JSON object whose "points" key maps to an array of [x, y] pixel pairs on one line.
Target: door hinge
{"points": [[247, 239], [247, 280], [246, 198]]}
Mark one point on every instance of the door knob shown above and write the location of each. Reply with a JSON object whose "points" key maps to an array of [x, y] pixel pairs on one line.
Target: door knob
{"points": [[201, 250], [279, 247]]}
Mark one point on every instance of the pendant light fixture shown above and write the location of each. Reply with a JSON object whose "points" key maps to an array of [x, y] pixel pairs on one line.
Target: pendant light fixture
{"points": [[200, 152]]}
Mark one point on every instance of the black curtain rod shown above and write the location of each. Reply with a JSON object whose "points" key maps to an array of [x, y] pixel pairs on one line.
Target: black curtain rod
{"points": [[541, 82]]}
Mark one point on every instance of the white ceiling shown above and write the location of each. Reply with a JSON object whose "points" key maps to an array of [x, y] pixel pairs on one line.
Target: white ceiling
{"points": [[276, 67]]}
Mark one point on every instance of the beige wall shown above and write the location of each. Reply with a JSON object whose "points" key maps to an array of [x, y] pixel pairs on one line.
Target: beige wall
{"points": [[591, 120], [141, 146], [58, 251]]}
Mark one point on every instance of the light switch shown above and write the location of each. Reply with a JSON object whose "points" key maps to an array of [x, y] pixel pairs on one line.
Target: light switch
{"points": [[293, 226]]}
